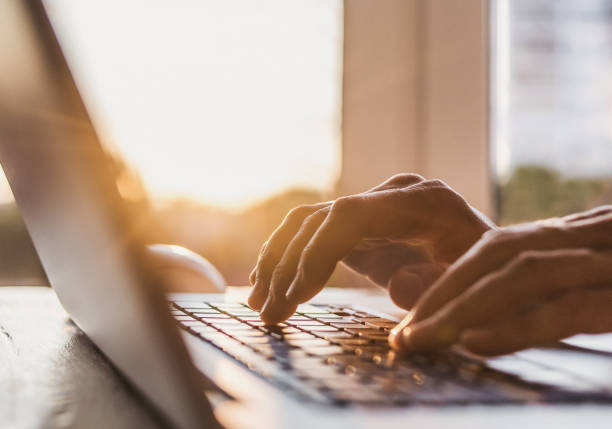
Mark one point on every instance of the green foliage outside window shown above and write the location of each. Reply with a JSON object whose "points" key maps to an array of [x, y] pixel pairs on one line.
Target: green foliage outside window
{"points": [[536, 192]]}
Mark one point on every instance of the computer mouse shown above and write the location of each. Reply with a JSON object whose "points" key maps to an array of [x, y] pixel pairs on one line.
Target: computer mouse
{"points": [[183, 270]]}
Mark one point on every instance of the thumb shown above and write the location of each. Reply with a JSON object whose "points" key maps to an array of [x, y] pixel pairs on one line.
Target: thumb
{"points": [[408, 282]]}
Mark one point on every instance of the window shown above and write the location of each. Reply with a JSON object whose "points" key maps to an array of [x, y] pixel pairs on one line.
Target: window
{"points": [[552, 86]]}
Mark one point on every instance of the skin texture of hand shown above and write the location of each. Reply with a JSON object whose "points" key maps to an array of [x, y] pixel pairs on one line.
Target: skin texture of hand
{"points": [[402, 235], [519, 287]]}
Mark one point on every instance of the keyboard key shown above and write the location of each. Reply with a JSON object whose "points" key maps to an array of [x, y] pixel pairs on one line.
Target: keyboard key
{"points": [[249, 333], [366, 352], [350, 325], [374, 336], [191, 304], [308, 323], [308, 308], [324, 351], [298, 318], [204, 311], [317, 342], [335, 334], [238, 327], [224, 322], [362, 331], [226, 305], [182, 318], [322, 329], [381, 323], [289, 330], [192, 323], [242, 313], [256, 340], [351, 341], [202, 329], [245, 318], [299, 336], [323, 315], [213, 316]]}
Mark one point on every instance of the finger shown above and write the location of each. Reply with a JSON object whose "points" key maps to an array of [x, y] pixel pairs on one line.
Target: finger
{"points": [[273, 250], [530, 279], [253, 275], [497, 248], [582, 311], [276, 307], [589, 214], [417, 212], [408, 283]]}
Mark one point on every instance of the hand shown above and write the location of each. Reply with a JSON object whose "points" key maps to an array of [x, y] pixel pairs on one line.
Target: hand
{"points": [[401, 234], [519, 287]]}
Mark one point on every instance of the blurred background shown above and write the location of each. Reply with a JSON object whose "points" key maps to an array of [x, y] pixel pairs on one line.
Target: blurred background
{"points": [[225, 114]]}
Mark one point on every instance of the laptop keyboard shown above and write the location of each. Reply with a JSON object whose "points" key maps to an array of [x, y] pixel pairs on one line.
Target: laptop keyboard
{"points": [[337, 355]]}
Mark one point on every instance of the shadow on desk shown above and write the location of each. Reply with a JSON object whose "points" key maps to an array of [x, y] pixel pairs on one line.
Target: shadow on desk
{"points": [[51, 373]]}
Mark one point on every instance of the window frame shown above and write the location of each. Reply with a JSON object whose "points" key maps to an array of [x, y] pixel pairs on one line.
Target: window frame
{"points": [[416, 95]]}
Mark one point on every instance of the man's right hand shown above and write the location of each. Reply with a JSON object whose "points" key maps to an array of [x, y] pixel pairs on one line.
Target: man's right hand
{"points": [[401, 234]]}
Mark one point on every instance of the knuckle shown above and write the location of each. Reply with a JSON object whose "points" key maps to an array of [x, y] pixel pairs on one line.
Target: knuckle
{"points": [[299, 212], [441, 192], [435, 183], [494, 238], [343, 206], [528, 260], [316, 217], [405, 178], [491, 235]]}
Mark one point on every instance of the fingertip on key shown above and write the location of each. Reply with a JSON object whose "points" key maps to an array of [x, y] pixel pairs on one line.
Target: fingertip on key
{"points": [[399, 335]]}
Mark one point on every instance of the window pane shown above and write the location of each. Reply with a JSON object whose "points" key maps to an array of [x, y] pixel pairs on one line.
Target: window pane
{"points": [[552, 125]]}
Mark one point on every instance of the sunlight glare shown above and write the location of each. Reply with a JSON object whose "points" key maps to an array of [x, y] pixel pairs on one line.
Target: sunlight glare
{"points": [[221, 101]]}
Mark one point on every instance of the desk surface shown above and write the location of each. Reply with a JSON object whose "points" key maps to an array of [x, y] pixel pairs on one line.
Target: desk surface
{"points": [[52, 376]]}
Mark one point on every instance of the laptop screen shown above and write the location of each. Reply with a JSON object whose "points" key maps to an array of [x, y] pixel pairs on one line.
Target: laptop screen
{"points": [[66, 191]]}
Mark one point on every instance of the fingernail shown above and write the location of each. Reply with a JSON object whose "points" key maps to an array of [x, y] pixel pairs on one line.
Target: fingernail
{"points": [[401, 339], [396, 334], [404, 339]]}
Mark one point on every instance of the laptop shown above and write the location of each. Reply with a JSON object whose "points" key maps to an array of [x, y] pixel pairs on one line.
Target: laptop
{"points": [[205, 361]]}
